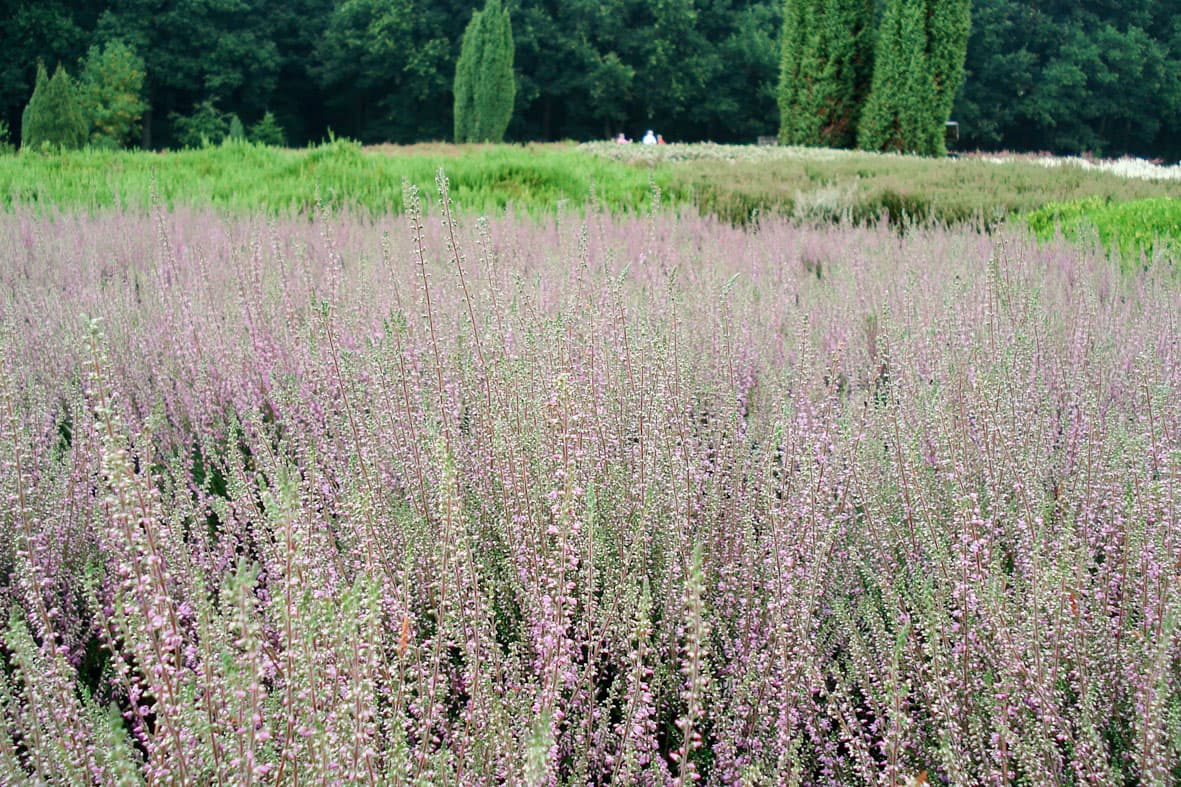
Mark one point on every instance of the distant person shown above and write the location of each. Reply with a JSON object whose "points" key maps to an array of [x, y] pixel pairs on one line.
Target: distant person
{"points": [[660, 139], [649, 138], [622, 139]]}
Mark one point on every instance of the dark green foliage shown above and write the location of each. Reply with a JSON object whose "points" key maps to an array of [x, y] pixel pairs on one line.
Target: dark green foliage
{"points": [[485, 87], [53, 117], [676, 63], [384, 66], [899, 114], [33, 31], [1070, 77], [236, 131], [825, 70], [111, 94], [267, 131], [948, 25], [742, 96], [220, 51], [206, 126], [691, 70], [1091, 75]]}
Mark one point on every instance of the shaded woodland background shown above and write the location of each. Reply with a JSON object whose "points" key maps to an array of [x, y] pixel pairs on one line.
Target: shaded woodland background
{"points": [[1097, 76]]}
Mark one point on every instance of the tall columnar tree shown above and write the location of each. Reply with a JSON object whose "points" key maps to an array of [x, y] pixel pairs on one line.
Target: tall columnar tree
{"points": [[900, 113], [485, 87], [826, 68], [33, 122], [949, 23], [797, 16], [53, 115]]}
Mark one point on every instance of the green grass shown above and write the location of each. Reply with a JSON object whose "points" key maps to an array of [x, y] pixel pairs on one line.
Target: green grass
{"points": [[735, 183], [243, 177], [1140, 227]]}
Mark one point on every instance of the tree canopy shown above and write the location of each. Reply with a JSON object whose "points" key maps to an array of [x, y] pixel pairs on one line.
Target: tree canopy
{"points": [[1092, 75]]}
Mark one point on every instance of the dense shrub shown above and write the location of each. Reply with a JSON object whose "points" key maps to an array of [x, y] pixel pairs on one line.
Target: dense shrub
{"points": [[267, 131], [111, 94], [1149, 227], [53, 118], [206, 126]]}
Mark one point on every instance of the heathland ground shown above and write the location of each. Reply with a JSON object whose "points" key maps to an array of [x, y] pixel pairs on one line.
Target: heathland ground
{"points": [[736, 465]]}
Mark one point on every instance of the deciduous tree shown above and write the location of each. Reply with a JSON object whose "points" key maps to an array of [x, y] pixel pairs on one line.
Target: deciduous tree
{"points": [[111, 94]]}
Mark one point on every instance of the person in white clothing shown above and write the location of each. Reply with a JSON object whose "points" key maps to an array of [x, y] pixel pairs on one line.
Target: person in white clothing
{"points": [[649, 138]]}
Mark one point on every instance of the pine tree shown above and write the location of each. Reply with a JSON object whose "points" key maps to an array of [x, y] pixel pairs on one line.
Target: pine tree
{"points": [[918, 71], [791, 53], [267, 131], [485, 88], [236, 132], [900, 112], [53, 115], [34, 124], [826, 69], [949, 23]]}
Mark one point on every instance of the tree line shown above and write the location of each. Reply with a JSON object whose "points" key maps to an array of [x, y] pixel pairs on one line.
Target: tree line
{"points": [[1067, 77]]}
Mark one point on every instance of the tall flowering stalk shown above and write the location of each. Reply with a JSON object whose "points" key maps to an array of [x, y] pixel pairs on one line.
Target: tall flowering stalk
{"points": [[586, 499]]}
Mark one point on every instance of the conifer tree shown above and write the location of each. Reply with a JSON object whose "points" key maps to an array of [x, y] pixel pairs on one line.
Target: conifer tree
{"points": [[485, 88], [900, 112], [33, 120], [465, 78], [826, 69], [949, 23], [791, 50], [53, 115]]}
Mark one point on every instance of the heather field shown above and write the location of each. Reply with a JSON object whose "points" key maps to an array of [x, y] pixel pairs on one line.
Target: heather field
{"points": [[583, 498]]}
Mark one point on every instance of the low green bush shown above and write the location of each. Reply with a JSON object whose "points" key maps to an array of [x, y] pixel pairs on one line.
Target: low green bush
{"points": [[1140, 230]]}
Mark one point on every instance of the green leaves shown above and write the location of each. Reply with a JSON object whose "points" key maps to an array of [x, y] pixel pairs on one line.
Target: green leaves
{"points": [[381, 63], [1073, 77], [111, 94], [838, 88]]}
